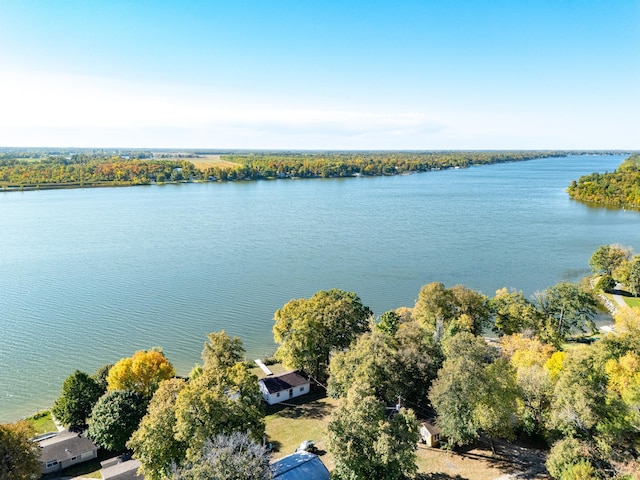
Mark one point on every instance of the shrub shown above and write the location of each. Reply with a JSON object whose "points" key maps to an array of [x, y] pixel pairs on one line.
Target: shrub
{"points": [[606, 283]]}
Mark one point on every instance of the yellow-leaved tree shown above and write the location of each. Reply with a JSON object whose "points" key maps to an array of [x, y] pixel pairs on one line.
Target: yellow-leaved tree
{"points": [[141, 373]]}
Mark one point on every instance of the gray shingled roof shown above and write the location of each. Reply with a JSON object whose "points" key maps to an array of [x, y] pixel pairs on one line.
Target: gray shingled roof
{"points": [[279, 383], [64, 446], [121, 468]]}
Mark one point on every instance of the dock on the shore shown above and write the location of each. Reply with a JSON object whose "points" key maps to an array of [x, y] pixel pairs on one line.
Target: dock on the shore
{"points": [[263, 367]]}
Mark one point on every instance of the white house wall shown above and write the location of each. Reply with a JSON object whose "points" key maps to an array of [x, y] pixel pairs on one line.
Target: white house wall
{"points": [[283, 396]]}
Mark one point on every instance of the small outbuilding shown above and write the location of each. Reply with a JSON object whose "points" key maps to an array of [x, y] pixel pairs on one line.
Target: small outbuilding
{"points": [[121, 468], [279, 388], [300, 466], [429, 434], [64, 450]]}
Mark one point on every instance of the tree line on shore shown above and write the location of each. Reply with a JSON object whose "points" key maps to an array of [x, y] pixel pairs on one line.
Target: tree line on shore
{"points": [[430, 361], [93, 168], [618, 189], [256, 166]]}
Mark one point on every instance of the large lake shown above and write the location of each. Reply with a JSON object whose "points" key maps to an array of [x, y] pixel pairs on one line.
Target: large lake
{"points": [[89, 276]]}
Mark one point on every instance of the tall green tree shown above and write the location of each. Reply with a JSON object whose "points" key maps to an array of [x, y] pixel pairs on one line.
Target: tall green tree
{"points": [[367, 444], [437, 306], [310, 330], [19, 456], [417, 361], [566, 308], [580, 403], [115, 417], [154, 443], [565, 455], [529, 357], [402, 365], [607, 258], [219, 402], [222, 351], [230, 457], [220, 398], [389, 322], [80, 392], [633, 281], [513, 313], [371, 361], [473, 393]]}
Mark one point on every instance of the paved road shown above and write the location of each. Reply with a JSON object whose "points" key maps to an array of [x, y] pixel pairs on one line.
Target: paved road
{"points": [[619, 300]]}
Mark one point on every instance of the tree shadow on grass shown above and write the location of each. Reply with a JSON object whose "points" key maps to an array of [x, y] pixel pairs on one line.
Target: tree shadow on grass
{"points": [[275, 445], [437, 476], [307, 406], [511, 458]]}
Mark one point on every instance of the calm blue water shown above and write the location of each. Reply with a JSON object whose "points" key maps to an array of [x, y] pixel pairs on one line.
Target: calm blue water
{"points": [[89, 276]]}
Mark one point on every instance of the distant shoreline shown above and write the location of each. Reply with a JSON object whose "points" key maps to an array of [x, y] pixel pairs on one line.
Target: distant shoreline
{"points": [[41, 170]]}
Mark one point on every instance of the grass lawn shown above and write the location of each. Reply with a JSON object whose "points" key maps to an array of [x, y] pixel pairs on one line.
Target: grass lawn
{"points": [[89, 469], [632, 301], [42, 422], [276, 369], [305, 419], [478, 462]]}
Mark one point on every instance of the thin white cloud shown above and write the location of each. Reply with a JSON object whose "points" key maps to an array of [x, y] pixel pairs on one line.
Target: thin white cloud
{"points": [[33, 100], [44, 109]]}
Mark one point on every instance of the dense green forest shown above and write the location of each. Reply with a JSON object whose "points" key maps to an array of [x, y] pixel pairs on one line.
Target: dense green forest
{"points": [[39, 168], [620, 189]]}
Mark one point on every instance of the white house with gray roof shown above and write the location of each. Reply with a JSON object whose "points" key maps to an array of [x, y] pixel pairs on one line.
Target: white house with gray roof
{"points": [[64, 450], [280, 388]]}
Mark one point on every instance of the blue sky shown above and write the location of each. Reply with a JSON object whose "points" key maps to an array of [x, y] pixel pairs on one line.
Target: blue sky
{"points": [[320, 75]]}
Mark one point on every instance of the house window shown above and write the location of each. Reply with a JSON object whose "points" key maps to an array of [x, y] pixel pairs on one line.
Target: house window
{"points": [[302, 389], [278, 394], [73, 459], [52, 464]]}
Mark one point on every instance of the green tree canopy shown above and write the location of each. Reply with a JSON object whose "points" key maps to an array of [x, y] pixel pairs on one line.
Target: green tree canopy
{"points": [[80, 392], [219, 402], [566, 308], [606, 283], [389, 322], [154, 443], [309, 330], [513, 313], [19, 456], [371, 361], [473, 393], [222, 351], [618, 189], [221, 398], [607, 258], [633, 281], [115, 417], [402, 365], [565, 454], [367, 443], [418, 359], [437, 307]]}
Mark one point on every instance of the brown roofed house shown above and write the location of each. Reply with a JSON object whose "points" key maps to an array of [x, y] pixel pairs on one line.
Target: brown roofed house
{"points": [[429, 434]]}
